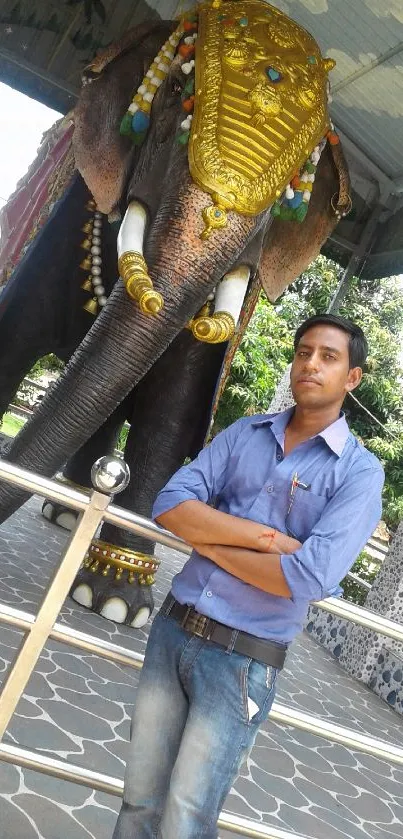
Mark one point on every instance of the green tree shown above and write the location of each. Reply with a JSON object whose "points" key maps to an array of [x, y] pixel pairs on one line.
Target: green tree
{"points": [[47, 364]]}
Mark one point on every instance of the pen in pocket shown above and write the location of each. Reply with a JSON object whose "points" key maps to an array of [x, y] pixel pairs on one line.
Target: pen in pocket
{"points": [[303, 486]]}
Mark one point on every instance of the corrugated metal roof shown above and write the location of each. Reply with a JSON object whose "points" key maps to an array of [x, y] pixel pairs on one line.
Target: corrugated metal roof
{"points": [[367, 83]]}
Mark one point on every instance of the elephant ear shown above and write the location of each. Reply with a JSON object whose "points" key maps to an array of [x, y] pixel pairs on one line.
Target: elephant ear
{"points": [[103, 156], [290, 247]]}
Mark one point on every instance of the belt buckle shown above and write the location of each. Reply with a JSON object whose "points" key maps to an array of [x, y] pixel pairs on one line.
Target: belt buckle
{"points": [[195, 623]]}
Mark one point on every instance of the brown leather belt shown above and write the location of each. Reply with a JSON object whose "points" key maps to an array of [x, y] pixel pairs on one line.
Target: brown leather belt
{"points": [[197, 624]]}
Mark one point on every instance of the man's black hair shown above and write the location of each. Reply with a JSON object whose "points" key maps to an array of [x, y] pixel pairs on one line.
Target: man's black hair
{"points": [[358, 346]]}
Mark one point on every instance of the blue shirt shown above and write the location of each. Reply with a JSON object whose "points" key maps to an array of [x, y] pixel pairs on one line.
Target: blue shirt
{"points": [[244, 469]]}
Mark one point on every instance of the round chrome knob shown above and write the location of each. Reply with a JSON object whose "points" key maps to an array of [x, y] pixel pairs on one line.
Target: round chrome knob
{"points": [[110, 474]]}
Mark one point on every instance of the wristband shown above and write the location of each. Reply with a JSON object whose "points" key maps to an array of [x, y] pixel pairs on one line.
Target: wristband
{"points": [[272, 536]]}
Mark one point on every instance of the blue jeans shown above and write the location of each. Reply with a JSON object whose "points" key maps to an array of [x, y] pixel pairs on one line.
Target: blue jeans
{"points": [[198, 709]]}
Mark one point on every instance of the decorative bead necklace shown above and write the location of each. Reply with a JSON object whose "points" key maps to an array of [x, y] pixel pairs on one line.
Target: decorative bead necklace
{"points": [[293, 206], [136, 121], [93, 262], [294, 203]]}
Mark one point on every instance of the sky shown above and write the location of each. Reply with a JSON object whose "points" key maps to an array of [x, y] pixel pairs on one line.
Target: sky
{"points": [[24, 121]]}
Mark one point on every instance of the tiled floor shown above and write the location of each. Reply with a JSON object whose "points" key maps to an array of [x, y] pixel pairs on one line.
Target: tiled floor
{"points": [[77, 707]]}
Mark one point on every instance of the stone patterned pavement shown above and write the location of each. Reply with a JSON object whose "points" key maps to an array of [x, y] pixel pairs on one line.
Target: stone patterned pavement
{"points": [[77, 707]]}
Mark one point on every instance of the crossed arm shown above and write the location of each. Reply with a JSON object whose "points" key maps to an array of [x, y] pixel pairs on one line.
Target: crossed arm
{"points": [[246, 549]]}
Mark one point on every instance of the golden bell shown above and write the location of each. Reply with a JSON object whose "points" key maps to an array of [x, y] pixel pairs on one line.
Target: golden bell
{"points": [[92, 306], [86, 264], [88, 227], [90, 205], [86, 244], [87, 285]]}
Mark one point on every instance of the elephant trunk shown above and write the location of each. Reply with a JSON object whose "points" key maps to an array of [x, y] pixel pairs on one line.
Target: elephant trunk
{"points": [[123, 342]]}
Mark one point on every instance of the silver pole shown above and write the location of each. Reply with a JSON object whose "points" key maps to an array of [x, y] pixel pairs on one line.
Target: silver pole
{"points": [[95, 780], [336, 733], [28, 759], [359, 581], [246, 827], [363, 617], [80, 500], [145, 527], [53, 600], [279, 713], [73, 637], [43, 486]]}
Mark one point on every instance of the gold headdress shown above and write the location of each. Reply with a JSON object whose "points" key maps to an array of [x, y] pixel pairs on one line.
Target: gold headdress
{"points": [[259, 102]]}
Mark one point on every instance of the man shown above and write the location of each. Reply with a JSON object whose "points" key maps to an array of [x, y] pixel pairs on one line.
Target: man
{"points": [[296, 497]]}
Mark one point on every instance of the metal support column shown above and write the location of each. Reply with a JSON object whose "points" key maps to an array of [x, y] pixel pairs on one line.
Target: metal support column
{"points": [[357, 259]]}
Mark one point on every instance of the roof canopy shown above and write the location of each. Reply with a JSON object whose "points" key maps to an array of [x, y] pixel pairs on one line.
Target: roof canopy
{"points": [[44, 45]]}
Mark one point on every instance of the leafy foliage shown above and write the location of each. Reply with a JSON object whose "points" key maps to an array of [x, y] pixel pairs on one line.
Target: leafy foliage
{"points": [[11, 425], [49, 363], [123, 435], [365, 568]]}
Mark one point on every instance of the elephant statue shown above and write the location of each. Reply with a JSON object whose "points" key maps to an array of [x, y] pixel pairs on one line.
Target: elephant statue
{"points": [[223, 175]]}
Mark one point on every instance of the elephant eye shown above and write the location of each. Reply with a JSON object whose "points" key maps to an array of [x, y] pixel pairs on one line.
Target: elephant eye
{"points": [[176, 87]]}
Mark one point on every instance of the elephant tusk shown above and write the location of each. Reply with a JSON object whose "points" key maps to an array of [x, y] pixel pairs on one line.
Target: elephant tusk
{"points": [[219, 327], [131, 263]]}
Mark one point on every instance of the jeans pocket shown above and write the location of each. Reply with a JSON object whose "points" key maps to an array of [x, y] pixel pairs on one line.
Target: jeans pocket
{"points": [[259, 682]]}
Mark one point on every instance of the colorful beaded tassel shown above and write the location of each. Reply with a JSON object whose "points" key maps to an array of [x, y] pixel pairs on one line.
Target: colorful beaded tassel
{"points": [[188, 97], [293, 206], [136, 120]]}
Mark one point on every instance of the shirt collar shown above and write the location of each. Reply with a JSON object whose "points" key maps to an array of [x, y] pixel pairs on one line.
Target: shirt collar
{"points": [[335, 435]]}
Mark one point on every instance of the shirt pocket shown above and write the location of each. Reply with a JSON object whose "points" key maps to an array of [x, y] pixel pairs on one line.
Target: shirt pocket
{"points": [[306, 510]]}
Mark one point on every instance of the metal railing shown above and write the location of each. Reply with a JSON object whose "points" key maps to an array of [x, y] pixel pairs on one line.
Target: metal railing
{"points": [[359, 581], [95, 508]]}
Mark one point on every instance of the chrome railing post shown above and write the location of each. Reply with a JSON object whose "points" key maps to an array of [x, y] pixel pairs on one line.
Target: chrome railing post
{"points": [[33, 643]]}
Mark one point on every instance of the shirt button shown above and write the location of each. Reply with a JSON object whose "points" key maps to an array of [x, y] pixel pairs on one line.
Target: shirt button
{"points": [[270, 488], [279, 456], [209, 593]]}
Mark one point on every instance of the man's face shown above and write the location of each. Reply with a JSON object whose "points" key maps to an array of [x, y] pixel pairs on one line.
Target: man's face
{"points": [[320, 374]]}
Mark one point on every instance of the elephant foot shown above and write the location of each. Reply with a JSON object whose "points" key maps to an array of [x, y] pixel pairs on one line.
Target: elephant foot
{"points": [[59, 514], [116, 583]]}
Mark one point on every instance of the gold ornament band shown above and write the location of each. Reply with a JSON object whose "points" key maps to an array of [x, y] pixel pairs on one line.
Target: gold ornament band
{"points": [[214, 329], [103, 557], [133, 270]]}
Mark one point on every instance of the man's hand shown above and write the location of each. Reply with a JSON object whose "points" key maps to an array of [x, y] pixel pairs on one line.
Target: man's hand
{"points": [[197, 523], [277, 543], [262, 570]]}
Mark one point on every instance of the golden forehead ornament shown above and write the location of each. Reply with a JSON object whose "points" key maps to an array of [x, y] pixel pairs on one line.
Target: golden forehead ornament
{"points": [[260, 106]]}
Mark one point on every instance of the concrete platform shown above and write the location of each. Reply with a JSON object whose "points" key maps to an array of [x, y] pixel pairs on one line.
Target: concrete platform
{"points": [[78, 707]]}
